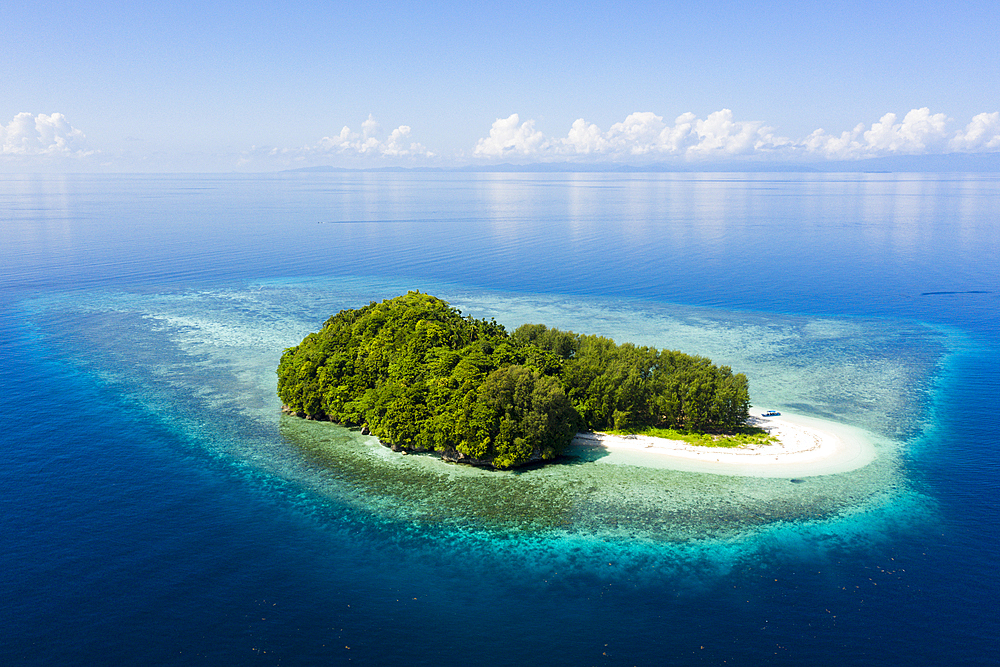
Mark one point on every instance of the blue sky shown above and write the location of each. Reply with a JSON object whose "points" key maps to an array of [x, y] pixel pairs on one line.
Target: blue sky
{"points": [[118, 86]]}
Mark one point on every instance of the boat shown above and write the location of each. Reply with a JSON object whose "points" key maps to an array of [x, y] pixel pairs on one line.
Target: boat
{"points": [[770, 413]]}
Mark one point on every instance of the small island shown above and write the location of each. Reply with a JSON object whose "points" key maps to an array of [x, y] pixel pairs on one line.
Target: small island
{"points": [[420, 376]]}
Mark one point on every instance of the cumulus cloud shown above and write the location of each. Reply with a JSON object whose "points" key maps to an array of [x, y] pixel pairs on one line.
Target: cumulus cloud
{"points": [[42, 135], [919, 132], [640, 134], [981, 134], [720, 135], [347, 144], [507, 137]]}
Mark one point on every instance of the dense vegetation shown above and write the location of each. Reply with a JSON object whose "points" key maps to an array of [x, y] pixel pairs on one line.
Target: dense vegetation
{"points": [[423, 377]]}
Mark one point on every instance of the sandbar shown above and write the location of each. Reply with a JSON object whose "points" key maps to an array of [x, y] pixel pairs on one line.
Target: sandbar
{"points": [[806, 447]]}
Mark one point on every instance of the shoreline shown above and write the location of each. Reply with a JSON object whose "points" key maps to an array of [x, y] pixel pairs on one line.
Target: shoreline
{"points": [[806, 447]]}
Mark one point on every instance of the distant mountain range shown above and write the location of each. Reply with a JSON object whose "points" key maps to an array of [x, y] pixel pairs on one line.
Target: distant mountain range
{"points": [[954, 162]]}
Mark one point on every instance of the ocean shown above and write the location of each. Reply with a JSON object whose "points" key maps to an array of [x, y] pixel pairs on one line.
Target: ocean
{"points": [[157, 508]]}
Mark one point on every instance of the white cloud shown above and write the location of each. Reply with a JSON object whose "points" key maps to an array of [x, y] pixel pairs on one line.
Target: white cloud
{"points": [[641, 137], [981, 134], [918, 130], [640, 134], [507, 138], [584, 138], [345, 142], [366, 143], [919, 133], [719, 134], [842, 147], [644, 135], [42, 135], [370, 127], [348, 144]]}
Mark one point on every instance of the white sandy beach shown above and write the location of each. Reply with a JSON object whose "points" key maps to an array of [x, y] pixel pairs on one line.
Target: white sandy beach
{"points": [[806, 447]]}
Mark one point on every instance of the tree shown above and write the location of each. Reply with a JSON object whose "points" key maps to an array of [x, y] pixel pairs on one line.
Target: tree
{"points": [[422, 376]]}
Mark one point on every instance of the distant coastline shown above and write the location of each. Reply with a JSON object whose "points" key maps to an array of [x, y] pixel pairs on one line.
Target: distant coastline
{"points": [[949, 163]]}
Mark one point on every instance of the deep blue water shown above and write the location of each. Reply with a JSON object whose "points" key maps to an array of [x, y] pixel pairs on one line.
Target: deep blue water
{"points": [[154, 510]]}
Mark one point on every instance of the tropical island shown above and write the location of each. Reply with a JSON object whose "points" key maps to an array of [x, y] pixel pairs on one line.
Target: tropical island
{"points": [[420, 376]]}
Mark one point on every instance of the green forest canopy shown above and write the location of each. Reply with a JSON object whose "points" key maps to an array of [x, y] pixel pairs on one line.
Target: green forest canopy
{"points": [[423, 377]]}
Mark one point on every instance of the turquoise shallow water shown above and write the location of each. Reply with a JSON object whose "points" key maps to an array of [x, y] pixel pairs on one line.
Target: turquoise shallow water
{"points": [[203, 360], [158, 508]]}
